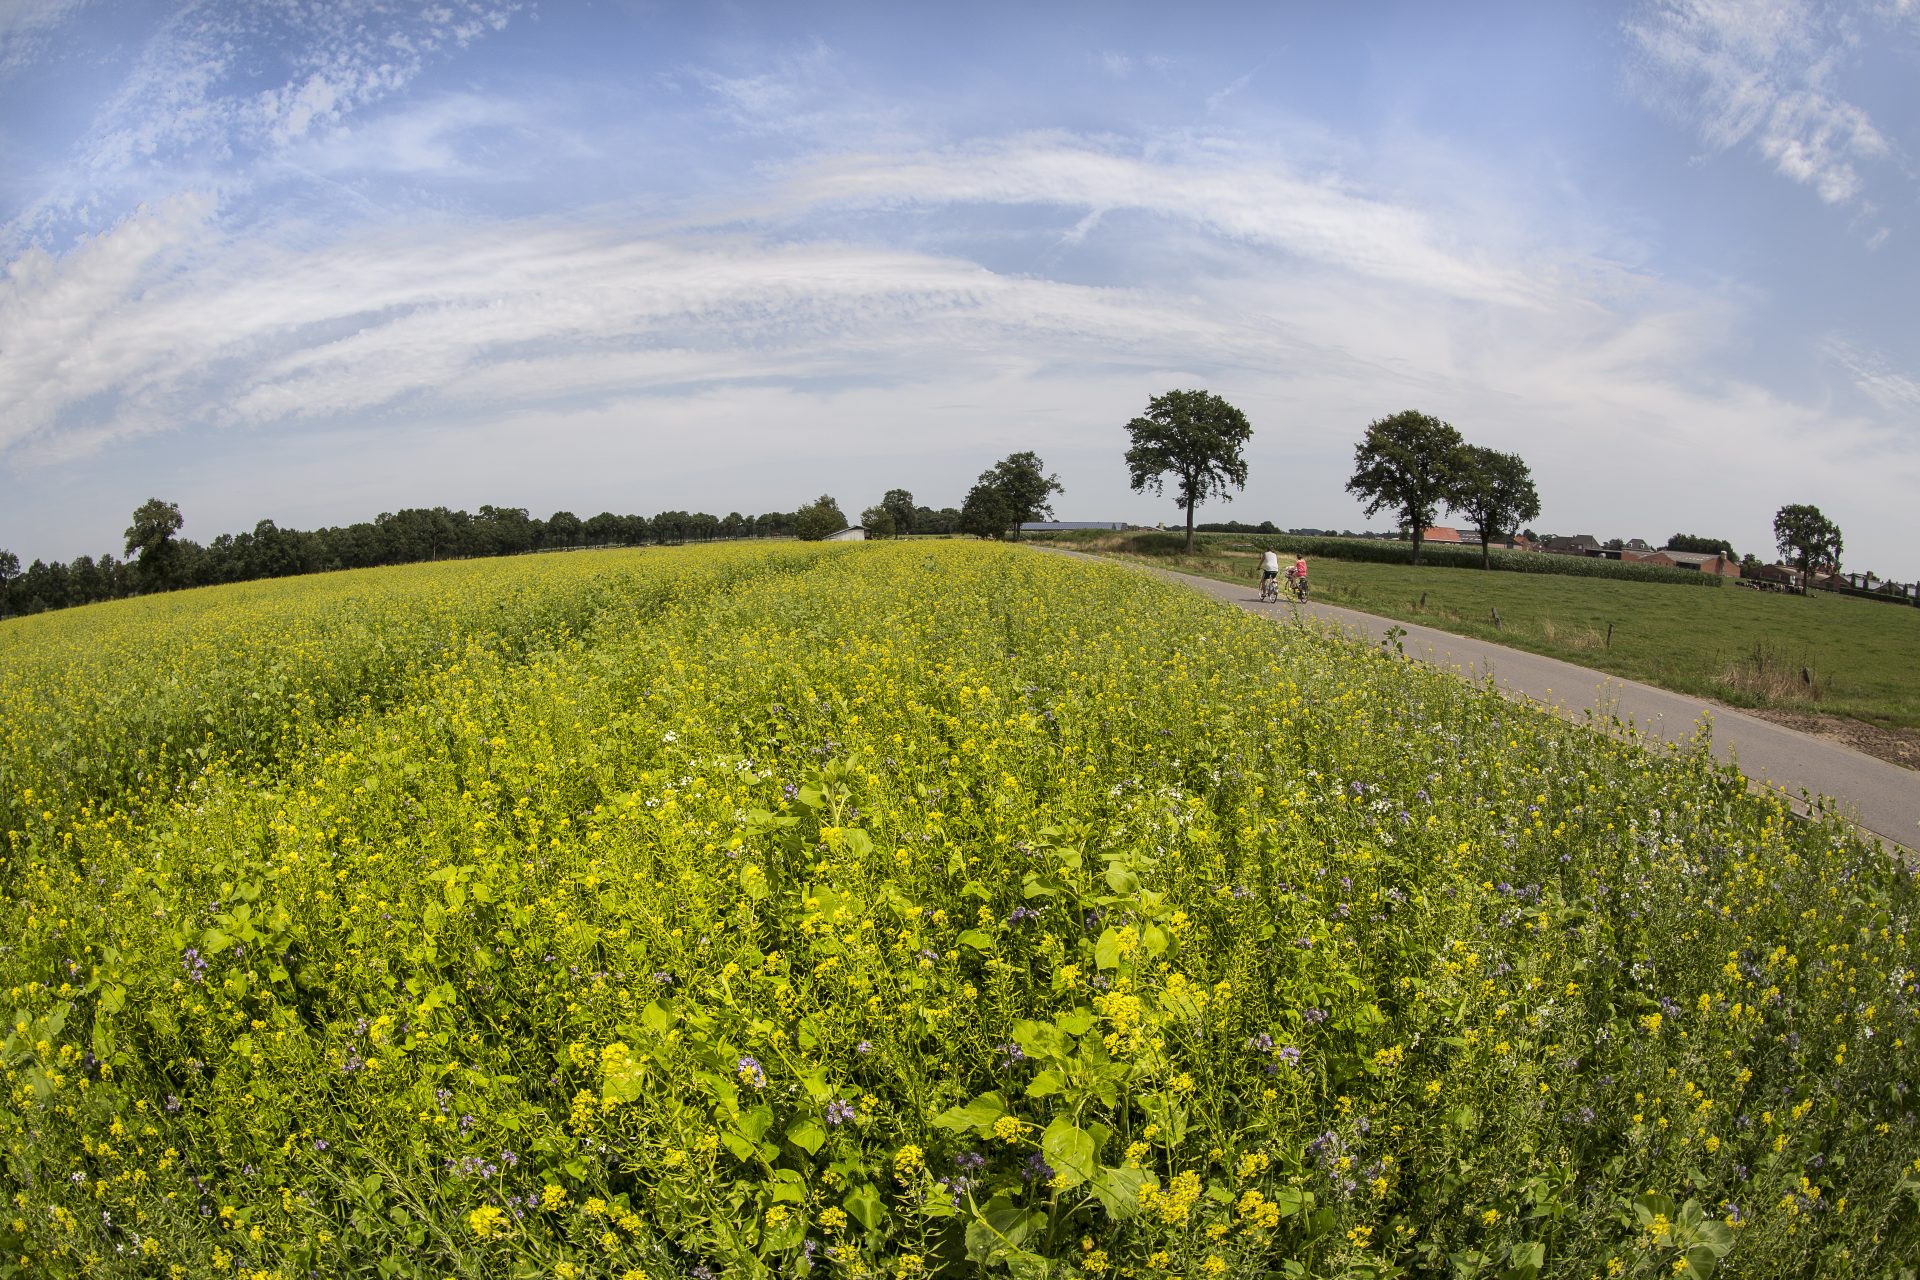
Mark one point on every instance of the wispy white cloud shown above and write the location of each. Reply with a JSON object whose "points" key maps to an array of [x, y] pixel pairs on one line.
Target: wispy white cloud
{"points": [[1218, 98], [1765, 73], [219, 85], [1875, 375], [27, 28], [1223, 187]]}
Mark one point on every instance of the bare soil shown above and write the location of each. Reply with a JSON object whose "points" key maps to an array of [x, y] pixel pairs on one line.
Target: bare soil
{"points": [[1899, 746]]}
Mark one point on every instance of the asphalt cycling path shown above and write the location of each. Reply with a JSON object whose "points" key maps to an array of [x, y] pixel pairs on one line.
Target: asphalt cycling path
{"points": [[1880, 798]]}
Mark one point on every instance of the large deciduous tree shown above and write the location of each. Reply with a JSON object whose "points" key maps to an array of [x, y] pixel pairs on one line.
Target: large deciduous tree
{"points": [[1808, 539], [1408, 463], [1196, 438], [151, 536], [899, 505], [1013, 490], [821, 517], [1495, 491]]}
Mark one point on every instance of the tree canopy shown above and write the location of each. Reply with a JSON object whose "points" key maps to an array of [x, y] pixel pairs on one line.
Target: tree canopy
{"points": [[151, 537], [1408, 463], [1808, 540], [1011, 491], [899, 505], [814, 522], [1704, 546], [1494, 490], [1196, 438]]}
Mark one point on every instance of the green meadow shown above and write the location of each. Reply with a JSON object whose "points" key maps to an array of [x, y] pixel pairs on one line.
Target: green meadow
{"points": [[1824, 654]]}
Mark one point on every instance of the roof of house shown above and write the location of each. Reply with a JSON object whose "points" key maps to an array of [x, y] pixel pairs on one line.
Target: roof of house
{"points": [[1694, 558], [1440, 533]]}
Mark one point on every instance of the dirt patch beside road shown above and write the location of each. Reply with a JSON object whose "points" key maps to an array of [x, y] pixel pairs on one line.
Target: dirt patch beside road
{"points": [[1895, 746]]}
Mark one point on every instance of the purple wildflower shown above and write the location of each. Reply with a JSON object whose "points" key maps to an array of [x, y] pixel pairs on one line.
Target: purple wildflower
{"points": [[748, 1069], [839, 1111]]}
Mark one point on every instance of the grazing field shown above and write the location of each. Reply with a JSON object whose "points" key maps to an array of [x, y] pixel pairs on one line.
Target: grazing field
{"points": [[1824, 653], [918, 909]]}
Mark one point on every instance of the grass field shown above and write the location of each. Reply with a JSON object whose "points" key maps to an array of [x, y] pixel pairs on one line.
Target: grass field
{"points": [[902, 910], [1822, 653]]}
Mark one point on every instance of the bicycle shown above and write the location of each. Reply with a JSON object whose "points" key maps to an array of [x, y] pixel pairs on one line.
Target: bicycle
{"points": [[1297, 588], [1269, 590]]}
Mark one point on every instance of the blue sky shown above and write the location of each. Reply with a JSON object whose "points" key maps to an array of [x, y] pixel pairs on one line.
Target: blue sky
{"points": [[313, 261]]}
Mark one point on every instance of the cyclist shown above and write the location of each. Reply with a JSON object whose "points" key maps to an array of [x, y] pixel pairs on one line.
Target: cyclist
{"points": [[1297, 577], [1269, 574]]}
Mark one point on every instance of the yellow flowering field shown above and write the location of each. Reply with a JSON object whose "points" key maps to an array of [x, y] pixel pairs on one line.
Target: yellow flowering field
{"points": [[898, 910]]}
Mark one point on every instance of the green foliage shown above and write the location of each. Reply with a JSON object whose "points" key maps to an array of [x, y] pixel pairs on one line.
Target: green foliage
{"points": [[1807, 539], [151, 536], [1409, 464], [1495, 490], [1014, 490], [813, 522], [1054, 921], [1197, 438], [899, 505]]}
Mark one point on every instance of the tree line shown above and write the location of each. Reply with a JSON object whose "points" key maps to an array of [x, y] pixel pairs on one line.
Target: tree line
{"points": [[157, 558]]}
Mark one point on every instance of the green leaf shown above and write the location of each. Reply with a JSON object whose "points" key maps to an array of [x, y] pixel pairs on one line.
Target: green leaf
{"points": [[1041, 1040], [1001, 1230], [113, 999], [1046, 1084], [213, 942], [433, 917], [456, 895], [978, 941], [863, 1205], [978, 1115], [1076, 1022], [755, 1121], [1070, 1150], [858, 842], [1118, 1190], [806, 1135], [1293, 1200], [1154, 939], [1701, 1262], [1106, 952], [1121, 880]]}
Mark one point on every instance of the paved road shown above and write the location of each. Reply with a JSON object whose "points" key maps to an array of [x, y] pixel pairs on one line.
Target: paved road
{"points": [[1882, 799]]}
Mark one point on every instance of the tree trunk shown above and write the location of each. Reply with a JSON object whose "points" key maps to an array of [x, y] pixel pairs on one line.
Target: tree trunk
{"points": [[1416, 545], [1486, 549]]}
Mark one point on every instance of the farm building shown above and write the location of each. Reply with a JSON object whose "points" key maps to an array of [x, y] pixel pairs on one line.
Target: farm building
{"points": [[855, 533], [1724, 566]]}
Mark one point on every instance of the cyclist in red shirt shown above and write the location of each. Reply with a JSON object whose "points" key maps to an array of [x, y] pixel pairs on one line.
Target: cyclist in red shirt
{"points": [[1297, 577]]}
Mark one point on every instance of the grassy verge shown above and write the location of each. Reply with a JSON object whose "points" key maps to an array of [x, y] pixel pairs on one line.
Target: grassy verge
{"points": [[1823, 654]]}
